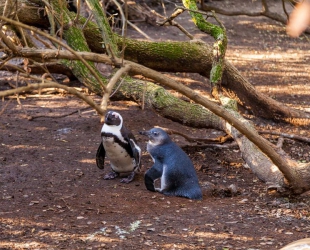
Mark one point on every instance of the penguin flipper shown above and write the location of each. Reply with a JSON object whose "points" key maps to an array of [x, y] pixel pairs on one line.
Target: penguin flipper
{"points": [[150, 176], [136, 151], [100, 155]]}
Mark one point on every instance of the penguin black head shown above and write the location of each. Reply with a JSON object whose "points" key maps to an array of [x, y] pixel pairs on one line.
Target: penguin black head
{"points": [[157, 136], [113, 119]]}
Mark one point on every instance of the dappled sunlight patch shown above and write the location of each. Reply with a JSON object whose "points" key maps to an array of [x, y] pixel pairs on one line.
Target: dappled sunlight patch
{"points": [[180, 246], [22, 146], [22, 245], [88, 161], [255, 55], [245, 22], [44, 235], [267, 27], [40, 128], [218, 236], [296, 89]]}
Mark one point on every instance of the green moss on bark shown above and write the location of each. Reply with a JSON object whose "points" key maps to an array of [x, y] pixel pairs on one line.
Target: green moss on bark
{"points": [[220, 45], [167, 104], [74, 37]]}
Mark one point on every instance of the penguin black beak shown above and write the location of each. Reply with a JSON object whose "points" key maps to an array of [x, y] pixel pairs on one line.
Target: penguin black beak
{"points": [[144, 133]]}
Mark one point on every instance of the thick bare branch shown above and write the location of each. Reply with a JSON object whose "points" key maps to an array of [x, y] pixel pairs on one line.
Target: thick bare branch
{"points": [[111, 84]]}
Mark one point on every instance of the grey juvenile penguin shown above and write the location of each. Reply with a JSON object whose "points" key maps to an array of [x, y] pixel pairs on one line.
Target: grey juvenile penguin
{"points": [[172, 165], [119, 145]]}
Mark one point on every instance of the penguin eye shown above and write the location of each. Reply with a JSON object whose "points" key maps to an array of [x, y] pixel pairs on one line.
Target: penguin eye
{"points": [[156, 133]]}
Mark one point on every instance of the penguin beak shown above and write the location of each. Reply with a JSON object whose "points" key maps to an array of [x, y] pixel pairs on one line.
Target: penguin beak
{"points": [[107, 117], [144, 133]]}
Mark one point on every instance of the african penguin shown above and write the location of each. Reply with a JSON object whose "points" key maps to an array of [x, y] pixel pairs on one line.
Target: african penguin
{"points": [[172, 165], [120, 147]]}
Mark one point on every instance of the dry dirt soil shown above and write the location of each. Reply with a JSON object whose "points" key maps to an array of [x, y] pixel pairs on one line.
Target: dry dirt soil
{"points": [[52, 195]]}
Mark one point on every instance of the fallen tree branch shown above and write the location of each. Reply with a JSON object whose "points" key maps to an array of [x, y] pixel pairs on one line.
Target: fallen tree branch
{"points": [[285, 135], [220, 139], [111, 84], [31, 118], [41, 68]]}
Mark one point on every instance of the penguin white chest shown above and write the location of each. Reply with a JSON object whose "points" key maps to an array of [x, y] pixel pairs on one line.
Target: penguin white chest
{"points": [[163, 184], [120, 160]]}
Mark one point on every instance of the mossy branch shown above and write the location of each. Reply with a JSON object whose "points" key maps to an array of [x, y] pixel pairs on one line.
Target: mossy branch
{"points": [[104, 27], [86, 72], [218, 32]]}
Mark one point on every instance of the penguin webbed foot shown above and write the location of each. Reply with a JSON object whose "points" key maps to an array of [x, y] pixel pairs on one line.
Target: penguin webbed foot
{"points": [[110, 176], [129, 178], [150, 177]]}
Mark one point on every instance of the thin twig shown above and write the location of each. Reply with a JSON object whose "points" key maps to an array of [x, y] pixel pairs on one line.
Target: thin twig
{"points": [[50, 17], [50, 84], [284, 9], [220, 139], [47, 45], [175, 14], [164, 7], [117, 76], [21, 31], [218, 20], [120, 9], [31, 118], [70, 209], [16, 86], [110, 86], [285, 135], [87, 20], [143, 96], [212, 145], [172, 22], [194, 11], [3, 62], [117, 88], [140, 31], [5, 106], [78, 3], [8, 42]]}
